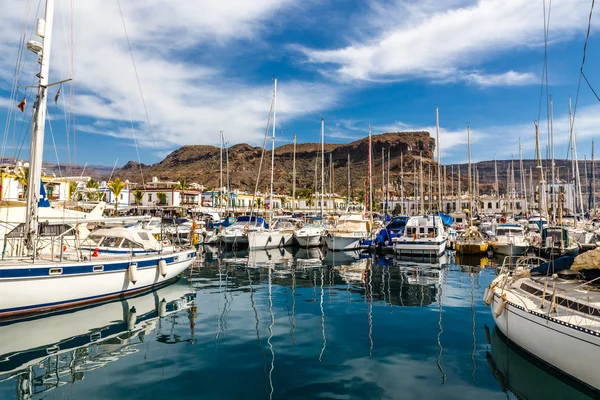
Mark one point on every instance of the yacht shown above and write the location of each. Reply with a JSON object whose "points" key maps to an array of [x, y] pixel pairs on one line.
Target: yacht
{"points": [[555, 242], [423, 235], [510, 240], [348, 233], [310, 235], [237, 234]]}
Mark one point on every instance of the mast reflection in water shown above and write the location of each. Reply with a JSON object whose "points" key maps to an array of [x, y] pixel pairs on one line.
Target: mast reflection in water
{"points": [[277, 324]]}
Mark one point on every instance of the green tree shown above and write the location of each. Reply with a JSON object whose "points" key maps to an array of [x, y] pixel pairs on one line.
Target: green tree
{"points": [[93, 186], [162, 198], [259, 203], [72, 189], [282, 199], [138, 195], [116, 187], [181, 184], [23, 178]]}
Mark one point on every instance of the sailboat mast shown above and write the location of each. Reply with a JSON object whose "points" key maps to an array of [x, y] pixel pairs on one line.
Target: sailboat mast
{"points": [[458, 193], [575, 160], [294, 177], [383, 174], [387, 186], [37, 135], [322, 164], [220, 166], [469, 173], [273, 150], [421, 185], [593, 179], [553, 166], [228, 189], [439, 159], [541, 205], [370, 180], [348, 198], [402, 210], [523, 186]]}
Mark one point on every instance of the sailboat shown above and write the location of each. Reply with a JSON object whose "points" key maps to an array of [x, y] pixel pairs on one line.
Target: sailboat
{"points": [[33, 282], [470, 241]]}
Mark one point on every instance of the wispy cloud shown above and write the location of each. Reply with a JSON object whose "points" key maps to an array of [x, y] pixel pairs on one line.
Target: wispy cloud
{"points": [[445, 41], [188, 101]]}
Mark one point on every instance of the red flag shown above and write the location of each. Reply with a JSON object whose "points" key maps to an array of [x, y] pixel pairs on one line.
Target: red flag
{"points": [[22, 105], [56, 97]]}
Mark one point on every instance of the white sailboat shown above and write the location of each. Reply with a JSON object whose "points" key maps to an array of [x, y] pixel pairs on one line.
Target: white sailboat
{"points": [[34, 282]]}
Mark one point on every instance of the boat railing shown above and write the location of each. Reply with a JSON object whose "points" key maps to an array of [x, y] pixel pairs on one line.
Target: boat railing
{"points": [[510, 263]]}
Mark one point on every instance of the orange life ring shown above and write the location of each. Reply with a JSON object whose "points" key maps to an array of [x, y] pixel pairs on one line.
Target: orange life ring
{"points": [[246, 228]]}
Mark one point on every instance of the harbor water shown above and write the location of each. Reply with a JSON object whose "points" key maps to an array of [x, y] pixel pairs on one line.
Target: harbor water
{"points": [[284, 324]]}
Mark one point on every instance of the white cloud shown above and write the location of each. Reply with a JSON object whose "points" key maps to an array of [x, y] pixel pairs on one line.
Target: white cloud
{"points": [[443, 41], [187, 102]]}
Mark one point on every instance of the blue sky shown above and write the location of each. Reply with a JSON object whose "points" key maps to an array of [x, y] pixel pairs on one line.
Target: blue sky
{"points": [[207, 66]]}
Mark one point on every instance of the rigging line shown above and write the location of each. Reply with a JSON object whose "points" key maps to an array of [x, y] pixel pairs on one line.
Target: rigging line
{"points": [[262, 156], [590, 86], [137, 150], [138, 79], [587, 36], [545, 63], [53, 143]]}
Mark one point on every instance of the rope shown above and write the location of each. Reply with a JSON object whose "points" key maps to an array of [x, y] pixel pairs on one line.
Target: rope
{"points": [[137, 78]]}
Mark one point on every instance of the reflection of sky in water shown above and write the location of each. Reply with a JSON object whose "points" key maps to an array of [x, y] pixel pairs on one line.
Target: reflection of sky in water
{"points": [[358, 330]]}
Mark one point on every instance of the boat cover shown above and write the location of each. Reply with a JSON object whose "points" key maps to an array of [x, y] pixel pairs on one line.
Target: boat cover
{"points": [[446, 219], [588, 260], [551, 267]]}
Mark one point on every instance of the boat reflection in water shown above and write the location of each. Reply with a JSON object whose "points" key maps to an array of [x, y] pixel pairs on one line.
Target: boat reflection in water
{"points": [[471, 260], [527, 377], [41, 354]]}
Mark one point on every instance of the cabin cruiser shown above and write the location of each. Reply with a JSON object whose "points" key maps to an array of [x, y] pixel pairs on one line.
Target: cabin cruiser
{"points": [[536, 223], [555, 242], [124, 241], [348, 233], [237, 234], [395, 228], [423, 235], [471, 241], [510, 240], [310, 235]]}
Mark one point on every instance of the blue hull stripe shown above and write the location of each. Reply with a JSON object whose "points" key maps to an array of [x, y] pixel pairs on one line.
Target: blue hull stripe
{"points": [[77, 269]]}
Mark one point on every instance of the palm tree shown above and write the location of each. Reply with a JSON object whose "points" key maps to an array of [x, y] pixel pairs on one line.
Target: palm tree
{"points": [[259, 203], [162, 198], [92, 184], [23, 178], [181, 184], [72, 189], [138, 195], [116, 187]]}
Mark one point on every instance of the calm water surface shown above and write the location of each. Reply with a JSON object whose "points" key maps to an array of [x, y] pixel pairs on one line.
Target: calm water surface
{"points": [[283, 325]]}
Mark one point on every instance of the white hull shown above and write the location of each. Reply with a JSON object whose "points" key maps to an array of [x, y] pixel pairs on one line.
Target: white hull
{"points": [[341, 243], [569, 348], [427, 248], [235, 238], [308, 240], [510, 250], [40, 287], [266, 240]]}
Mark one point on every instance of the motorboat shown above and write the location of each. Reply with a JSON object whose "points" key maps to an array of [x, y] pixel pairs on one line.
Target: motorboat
{"points": [[237, 233], [395, 228], [348, 233], [510, 240], [555, 242], [423, 235], [310, 235]]}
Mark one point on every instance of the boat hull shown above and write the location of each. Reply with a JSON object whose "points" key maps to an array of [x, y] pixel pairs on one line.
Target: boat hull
{"points": [[470, 248], [568, 348], [341, 243], [424, 248], [44, 287], [308, 240], [265, 240], [510, 250]]}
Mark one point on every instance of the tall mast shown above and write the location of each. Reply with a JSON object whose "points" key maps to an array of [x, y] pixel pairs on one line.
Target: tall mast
{"points": [[470, 178], [439, 159], [348, 198], [330, 176], [322, 164], [370, 180], [593, 180], [387, 186], [273, 150], [541, 205], [459, 197], [37, 135], [496, 179], [294, 177], [523, 186], [402, 210], [383, 175], [575, 160], [551, 187], [421, 186], [221, 166], [228, 189]]}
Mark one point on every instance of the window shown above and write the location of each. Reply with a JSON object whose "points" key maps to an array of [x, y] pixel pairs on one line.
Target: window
{"points": [[490, 205], [143, 235], [121, 196], [149, 197]]}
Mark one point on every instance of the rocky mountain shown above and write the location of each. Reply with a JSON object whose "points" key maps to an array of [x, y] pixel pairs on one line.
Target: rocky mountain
{"points": [[202, 163]]}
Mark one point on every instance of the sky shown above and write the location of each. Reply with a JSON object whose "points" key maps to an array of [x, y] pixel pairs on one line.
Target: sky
{"points": [[151, 76]]}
